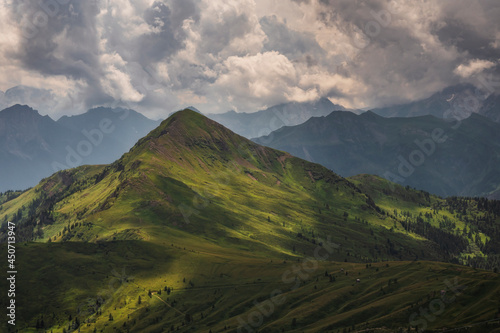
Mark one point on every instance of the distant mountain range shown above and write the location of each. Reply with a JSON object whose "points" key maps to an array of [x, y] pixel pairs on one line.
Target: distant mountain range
{"points": [[455, 102], [251, 125], [126, 127], [428, 153], [34, 146], [29, 143], [41, 146]]}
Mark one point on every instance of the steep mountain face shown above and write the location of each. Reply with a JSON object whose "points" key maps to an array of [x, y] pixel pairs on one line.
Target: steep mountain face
{"points": [[197, 227], [33, 147], [453, 102], [29, 143], [252, 125], [445, 158]]}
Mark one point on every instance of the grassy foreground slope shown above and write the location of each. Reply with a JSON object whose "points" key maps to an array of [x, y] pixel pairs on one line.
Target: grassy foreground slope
{"points": [[198, 229], [80, 285]]}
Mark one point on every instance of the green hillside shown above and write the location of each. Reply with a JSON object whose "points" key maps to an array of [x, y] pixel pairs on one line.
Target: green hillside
{"points": [[218, 224]]}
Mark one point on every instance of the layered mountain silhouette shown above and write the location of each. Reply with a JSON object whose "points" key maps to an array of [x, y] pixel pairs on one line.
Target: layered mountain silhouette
{"points": [[440, 156], [102, 135], [197, 227], [251, 125], [34, 146]]}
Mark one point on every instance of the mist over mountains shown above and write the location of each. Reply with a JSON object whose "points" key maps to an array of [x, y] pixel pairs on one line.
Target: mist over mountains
{"points": [[42, 146], [455, 102]]}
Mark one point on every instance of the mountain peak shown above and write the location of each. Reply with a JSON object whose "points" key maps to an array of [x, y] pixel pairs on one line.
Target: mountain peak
{"points": [[370, 114], [193, 108], [17, 110], [103, 111], [187, 124], [186, 117]]}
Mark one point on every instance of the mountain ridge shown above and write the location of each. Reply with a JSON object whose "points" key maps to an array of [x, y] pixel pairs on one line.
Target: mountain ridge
{"points": [[368, 143], [265, 121]]}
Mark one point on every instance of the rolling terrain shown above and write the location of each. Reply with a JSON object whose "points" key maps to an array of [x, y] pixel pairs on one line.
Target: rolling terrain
{"points": [[197, 229]]}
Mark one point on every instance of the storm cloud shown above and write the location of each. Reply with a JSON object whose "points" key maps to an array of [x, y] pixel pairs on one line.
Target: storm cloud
{"points": [[64, 56]]}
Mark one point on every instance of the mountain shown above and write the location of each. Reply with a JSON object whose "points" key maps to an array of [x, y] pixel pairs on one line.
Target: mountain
{"points": [[193, 109], [452, 102], [24, 95], [112, 131], [491, 108], [251, 125], [435, 155], [33, 146], [29, 143], [199, 229]]}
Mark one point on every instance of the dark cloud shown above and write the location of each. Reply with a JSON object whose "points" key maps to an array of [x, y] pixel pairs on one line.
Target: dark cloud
{"points": [[249, 54], [293, 44], [467, 39], [218, 35], [64, 41], [164, 36], [421, 56]]}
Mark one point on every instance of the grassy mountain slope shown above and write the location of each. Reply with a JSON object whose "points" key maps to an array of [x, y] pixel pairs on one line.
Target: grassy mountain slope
{"points": [[225, 222], [84, 283], [193, 176]]}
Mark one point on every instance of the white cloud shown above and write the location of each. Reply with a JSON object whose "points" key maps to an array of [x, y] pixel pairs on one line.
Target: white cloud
{"points": [[473, 67], [264, 76], [118, 85]]}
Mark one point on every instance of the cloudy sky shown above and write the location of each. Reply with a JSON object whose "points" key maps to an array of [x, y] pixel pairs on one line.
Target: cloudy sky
{"points": [[65, 56]]}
